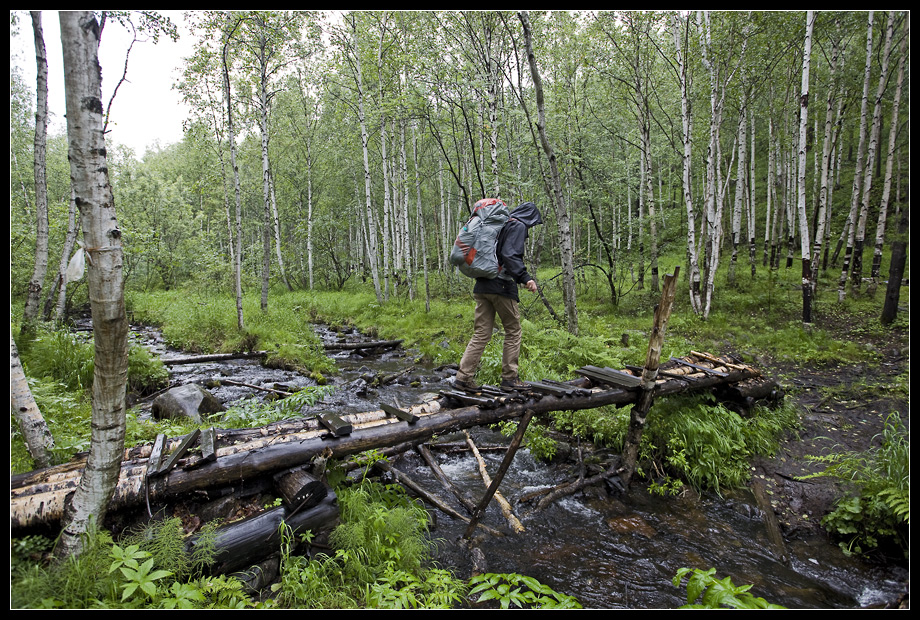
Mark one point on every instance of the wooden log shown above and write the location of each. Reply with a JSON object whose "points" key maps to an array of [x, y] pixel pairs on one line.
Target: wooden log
{"points": [[254, 387], [405, 416], [649, 377], [570, 488], [180, 451], [441, 477], [505, 506], [299, 489], [349, 346], [416, 488], [336, 425], [772, 524], [38, 498], [500, 474], [214, 357], [239, 544]]}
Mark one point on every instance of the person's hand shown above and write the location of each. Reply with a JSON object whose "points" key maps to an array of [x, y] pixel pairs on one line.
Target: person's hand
{"points": [[531, 286]]}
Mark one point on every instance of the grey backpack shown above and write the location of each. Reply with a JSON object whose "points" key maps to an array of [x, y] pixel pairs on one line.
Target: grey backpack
{"points": [[474, 252]]}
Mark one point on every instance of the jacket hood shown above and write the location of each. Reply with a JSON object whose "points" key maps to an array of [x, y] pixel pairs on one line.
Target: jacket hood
{"points": [[528, 214]]}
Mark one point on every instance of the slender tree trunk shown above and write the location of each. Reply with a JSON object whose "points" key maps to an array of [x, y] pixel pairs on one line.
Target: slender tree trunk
{"points": [[808, 284], [371, 225], [827, 148], [102, 241], [860, 238], [562, 215], [38, 438], [266, 172], [33, 298], [896, 270], [231, 140], [858, 174], [687, 141], [889, 163], [59, 290], [276, 223]]}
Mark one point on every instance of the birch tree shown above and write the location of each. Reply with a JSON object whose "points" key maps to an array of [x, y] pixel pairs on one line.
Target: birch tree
{"points": [[860, 233], [80, 35], [32, 425], [680, 31], [859, 171], [33, 299], [808, 284], [889, 163], [559, 204]]}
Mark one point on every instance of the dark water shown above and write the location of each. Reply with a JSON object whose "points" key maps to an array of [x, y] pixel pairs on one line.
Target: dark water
{"points": [[608, 550]]}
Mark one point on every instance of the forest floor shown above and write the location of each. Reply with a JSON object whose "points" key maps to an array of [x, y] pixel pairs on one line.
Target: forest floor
{"points": [[844, 409]]}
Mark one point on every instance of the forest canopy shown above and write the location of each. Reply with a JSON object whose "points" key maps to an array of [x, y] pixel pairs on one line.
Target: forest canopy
{"points": [[329, 148]]}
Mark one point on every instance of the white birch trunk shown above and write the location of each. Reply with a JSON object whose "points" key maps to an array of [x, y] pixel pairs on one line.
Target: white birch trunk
{"points": [[102, 242], [562, 214], [860, 237], [687, 141], [371, 243], [805, 240], [858, 174], [889, 162], [40, 269], [235, 171], [38, 438]]}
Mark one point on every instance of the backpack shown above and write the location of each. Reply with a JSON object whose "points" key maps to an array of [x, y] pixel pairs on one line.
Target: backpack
{"points": [[474, 251]]}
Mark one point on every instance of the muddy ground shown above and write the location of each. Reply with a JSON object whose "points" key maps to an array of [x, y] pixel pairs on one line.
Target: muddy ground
{"points": [[842, 409]]}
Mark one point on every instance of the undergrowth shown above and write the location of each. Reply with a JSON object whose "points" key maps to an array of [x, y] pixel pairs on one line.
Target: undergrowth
{"points": [[875, 508]]}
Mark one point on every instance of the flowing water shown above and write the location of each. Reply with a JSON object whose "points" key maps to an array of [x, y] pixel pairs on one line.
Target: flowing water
{"points": [[608, 550]]}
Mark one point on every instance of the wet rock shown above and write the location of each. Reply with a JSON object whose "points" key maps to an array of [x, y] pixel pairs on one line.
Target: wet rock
{"points": [[189, 400]]}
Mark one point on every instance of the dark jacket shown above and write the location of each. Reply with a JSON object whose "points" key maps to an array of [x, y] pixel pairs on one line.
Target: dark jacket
{"points": [[510, 249]]}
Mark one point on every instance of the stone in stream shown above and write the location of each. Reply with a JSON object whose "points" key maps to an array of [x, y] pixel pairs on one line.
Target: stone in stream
{"points": [[189, 400]]}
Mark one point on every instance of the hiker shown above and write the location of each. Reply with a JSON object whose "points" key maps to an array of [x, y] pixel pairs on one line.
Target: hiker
{"points": [[499, 296]]}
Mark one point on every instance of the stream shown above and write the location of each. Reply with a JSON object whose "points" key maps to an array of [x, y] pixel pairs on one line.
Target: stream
{"points": [[608, 550]]}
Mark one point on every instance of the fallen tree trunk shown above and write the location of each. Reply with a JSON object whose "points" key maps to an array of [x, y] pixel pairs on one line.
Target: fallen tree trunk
{"points": [[214, 357], [238, 543], [38, 498], [350, 346]]}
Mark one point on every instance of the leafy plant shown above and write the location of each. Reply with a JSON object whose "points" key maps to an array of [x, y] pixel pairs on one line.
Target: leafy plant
{"points": [[137, 576], [715, 593], [876, 506], [509, 589]]}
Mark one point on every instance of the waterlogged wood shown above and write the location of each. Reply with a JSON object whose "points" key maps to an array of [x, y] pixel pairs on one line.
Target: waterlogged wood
{"points": [[350, 346], [37, 498], [213, 357], [505, 506], [503, 468], [433, 500], [238, 543]]}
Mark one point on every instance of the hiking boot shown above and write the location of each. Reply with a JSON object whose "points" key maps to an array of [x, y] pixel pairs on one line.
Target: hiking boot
{"points": [[469, 386], [514, 384]]}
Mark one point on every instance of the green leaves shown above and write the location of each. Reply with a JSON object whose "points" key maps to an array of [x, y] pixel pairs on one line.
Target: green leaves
{"points": [[138, 576], [519, 590], [717, 593]]}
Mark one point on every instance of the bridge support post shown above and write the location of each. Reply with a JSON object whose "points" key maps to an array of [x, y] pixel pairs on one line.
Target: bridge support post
{"points": [[639, 413]]}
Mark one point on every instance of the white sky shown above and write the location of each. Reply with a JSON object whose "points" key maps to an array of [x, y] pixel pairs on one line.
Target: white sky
{"points": [[147, 111]]}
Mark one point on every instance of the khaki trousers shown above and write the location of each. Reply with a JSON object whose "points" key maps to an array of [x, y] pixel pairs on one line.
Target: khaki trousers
{"points": [[487, 306]]}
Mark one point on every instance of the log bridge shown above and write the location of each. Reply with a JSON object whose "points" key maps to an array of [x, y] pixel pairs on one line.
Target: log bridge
{"points": [[214, 462]]}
